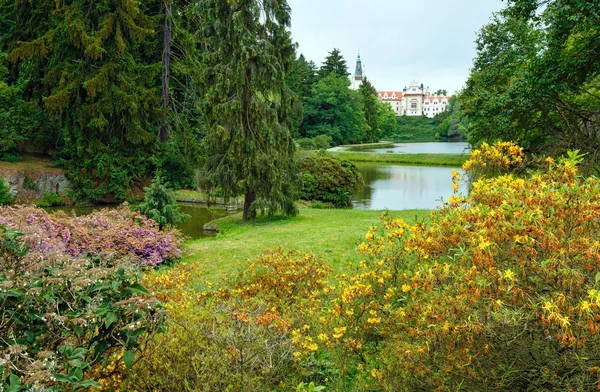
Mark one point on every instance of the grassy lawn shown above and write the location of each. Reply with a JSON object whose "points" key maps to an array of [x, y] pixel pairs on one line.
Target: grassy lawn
{"points": [[332, 235], [30, 164], [411, 159]]}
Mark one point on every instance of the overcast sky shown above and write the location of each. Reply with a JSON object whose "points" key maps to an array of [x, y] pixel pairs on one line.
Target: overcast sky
{"points": [[431, 41]]}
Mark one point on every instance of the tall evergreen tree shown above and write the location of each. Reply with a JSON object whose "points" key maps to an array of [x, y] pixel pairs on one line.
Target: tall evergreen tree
{"points": [[302, 76], [334, 63], [249, 105], [371, 110], [94, 67]]}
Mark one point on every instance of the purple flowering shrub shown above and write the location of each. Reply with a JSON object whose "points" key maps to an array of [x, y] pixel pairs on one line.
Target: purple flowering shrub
{"points": [[115, 232]]}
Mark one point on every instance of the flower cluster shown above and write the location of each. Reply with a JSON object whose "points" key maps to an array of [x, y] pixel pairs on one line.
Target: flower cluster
{"points": [[118, 232]]}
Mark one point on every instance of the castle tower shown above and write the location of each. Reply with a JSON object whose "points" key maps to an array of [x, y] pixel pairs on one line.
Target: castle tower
{"points": [[358, 74]]}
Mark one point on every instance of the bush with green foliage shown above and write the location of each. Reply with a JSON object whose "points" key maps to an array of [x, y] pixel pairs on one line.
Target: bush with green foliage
{"points": [[329, 179], [62, 316], [5, 196], [160, 205], [51, 199], [321, 142]]}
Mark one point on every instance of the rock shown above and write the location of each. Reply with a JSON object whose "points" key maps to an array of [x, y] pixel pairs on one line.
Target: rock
{"points": [[211, 227]]}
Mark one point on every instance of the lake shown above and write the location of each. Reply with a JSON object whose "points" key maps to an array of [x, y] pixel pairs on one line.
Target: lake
{"points": [[396, 187], [193, 227], [425, 148]]}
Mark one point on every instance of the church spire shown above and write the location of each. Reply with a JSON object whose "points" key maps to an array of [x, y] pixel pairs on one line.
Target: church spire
{"points": [[358, 72]]}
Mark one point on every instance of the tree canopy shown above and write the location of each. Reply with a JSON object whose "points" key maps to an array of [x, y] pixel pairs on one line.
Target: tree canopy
{"points": [[536, 77], [334, 63], [334, 110]]}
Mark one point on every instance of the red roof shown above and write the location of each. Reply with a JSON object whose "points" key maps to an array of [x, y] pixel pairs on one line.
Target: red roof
{"points": [[387, 95]]}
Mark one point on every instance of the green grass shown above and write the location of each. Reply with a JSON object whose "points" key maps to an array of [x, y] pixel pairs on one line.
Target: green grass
{"points": [[411, 159], [332, 235], [366, 146]]}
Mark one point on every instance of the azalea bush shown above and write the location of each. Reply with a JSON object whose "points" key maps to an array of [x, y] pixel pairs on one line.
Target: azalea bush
{"points": [[113, 232], [62, 317], [499, 291], [239, 335]]}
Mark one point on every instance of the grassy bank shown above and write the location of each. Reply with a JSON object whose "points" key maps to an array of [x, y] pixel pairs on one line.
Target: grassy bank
{"points": [[410, 159], [366, 146], [330, 234]]}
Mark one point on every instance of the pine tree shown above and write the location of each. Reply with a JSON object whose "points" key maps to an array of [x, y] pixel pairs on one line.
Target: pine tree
{"points": [[334, 63], [249, 106]]}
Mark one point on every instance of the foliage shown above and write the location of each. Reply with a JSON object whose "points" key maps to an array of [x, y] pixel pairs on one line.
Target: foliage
{"points": [[51, 199], [334, 110], [452, 122], [536, 77], [334, 64], [302, 76], [321, 142], [234, 337], [61, 316], [119, 232], [96, 74], [5, 196], [441, 91], [160, 205], [329, 179], [412, 128], [498, 292], [249, 106]]}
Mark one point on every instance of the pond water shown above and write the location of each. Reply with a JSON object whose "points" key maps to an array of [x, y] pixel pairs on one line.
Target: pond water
{"points": [[425, 148], [193, 227], [396, 187]]}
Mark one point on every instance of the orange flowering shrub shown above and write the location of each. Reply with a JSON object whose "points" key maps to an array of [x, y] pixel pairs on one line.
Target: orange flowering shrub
{"points": [[242, 333], [501, 289]]}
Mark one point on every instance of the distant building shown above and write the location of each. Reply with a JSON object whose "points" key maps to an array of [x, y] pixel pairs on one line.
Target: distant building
{"points": [[413, 100]]}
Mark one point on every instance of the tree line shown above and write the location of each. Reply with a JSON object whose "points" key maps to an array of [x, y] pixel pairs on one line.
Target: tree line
{"points": [[536, 78]]}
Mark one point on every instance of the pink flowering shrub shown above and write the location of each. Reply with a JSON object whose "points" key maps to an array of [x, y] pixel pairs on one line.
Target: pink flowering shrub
{"points": [[116, 232]]}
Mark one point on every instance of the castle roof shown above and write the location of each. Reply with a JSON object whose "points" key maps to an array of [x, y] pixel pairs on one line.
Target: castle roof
{"points": [[389, 95]]}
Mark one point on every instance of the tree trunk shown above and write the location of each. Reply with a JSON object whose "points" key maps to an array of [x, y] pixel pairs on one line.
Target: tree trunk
{"points": [[166, 70], [248, 200]]}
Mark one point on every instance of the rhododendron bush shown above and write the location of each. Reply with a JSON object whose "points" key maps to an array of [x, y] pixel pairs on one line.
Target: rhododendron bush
{"points": [[61, 316], [117, 232]]}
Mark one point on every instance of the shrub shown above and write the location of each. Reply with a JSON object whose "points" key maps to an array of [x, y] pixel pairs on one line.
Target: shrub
{"points": [[118, 232], [237, 336], [160, 205], [5, 196], [61, 316], [320, 142], [50, 199], [498, 292], [329, 179]]}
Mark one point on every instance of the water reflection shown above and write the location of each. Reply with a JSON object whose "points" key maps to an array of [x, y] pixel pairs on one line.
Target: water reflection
{"points": [[193, 227], [397, 187], [425, 148]]}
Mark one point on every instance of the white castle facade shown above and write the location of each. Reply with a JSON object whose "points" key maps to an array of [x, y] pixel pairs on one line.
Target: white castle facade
{"points": [[413, 100]]}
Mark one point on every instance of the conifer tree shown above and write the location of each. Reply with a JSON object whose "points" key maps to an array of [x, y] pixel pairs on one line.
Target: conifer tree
{"points": [[160, 205], [334, 63], [249, 107], [94, 67]]}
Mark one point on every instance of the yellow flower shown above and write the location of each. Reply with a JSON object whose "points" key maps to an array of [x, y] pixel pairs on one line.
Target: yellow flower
{"points": [[405, 288]]}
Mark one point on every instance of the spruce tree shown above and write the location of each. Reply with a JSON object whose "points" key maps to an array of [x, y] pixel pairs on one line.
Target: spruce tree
{"points": [[250, 108], [334, 63], [160, 205], [95, 69]]}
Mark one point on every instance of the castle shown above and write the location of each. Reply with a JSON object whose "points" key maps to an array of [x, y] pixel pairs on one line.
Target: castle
{"points": [[413, 100]]}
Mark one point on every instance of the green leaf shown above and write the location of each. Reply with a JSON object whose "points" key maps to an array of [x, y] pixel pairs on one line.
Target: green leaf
{"points": [[137, 288], [89, 383], [110, 318], [129, 358]]}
